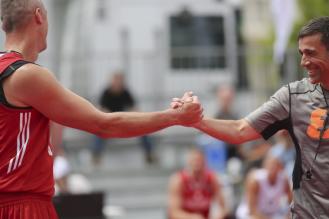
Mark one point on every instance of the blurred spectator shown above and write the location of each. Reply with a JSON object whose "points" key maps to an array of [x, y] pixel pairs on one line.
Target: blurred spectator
{"points": [[115, 98], [285, 146], [61, 167], [193, 190], [219, 152], [65, 180], [268, 192], [223, 157], [225, 97]]}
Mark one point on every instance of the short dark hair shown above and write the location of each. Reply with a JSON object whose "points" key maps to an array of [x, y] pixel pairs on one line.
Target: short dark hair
{"points": [[15, 12], [316, 26]]}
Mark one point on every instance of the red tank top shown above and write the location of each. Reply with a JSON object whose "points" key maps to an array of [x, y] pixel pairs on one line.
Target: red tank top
{"points": [[197, 194], [26, 157]]}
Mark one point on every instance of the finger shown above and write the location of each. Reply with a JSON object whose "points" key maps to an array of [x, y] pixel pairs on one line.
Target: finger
{"points": [[178, 103], [176, 99], [175, 105], [188, 100], [187, 95], [195, 99]]}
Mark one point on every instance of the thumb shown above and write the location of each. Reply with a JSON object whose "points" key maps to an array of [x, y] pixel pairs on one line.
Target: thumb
{"points": [[187, 95], [195, 99]]}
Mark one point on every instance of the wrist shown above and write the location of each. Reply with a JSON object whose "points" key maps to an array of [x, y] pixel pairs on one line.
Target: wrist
{"points": [[199, 125], [171, 116]]}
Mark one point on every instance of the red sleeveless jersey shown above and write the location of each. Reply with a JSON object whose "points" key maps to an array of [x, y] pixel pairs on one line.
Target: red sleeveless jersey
{"points": [[197, 193], [26, 161]]}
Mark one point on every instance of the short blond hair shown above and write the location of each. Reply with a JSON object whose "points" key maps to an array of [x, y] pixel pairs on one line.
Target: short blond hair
{"points": [[14, 13]]}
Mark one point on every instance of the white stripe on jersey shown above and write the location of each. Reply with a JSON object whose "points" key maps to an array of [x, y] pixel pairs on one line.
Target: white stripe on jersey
{"points": [[27, 137], [10, 165], [22, 141], [21, 117]]}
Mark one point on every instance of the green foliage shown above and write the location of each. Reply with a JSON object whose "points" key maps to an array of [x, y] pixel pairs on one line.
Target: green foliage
{"points": [[309, 9]]}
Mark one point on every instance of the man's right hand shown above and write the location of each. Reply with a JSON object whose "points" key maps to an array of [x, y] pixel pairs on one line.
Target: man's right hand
{"points": [[188, 108]]}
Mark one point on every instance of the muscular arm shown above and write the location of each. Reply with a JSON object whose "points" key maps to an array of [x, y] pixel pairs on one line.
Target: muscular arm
{"points": [[175, 201], [231, 131], [34, 86]]}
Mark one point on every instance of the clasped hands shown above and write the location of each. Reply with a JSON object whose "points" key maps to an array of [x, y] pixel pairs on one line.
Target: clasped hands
{"points": [[189, 109]]}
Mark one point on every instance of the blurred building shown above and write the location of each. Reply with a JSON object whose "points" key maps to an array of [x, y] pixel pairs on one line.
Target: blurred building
{"points": [[164, 47]]}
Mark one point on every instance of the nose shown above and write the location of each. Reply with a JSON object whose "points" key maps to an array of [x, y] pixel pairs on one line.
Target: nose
{"points": [[304, 62]]}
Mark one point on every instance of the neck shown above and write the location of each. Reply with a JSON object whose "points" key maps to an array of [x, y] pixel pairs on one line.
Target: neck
{"points": [[20, 43]]}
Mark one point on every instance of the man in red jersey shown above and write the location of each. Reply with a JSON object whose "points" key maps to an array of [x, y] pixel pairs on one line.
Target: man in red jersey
{"points": [[30, 97], [192, 191]]}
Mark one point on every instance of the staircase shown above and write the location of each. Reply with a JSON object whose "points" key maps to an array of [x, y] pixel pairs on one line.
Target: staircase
{"points": [[133, 189]]}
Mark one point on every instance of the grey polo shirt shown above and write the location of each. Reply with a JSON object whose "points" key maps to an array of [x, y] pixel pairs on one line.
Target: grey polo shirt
{"points": [[301, 109]]}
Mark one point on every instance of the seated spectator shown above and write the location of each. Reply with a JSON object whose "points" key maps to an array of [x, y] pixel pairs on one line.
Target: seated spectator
{"points": [[286, 147], [193, 190], [116, 97], [268, 192]]}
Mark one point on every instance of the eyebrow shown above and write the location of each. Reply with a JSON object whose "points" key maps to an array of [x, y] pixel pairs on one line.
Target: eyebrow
{"points": [[306, 50]]}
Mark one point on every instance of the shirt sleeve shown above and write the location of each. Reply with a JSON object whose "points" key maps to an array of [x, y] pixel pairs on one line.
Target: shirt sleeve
{"points": [[273, 115]]}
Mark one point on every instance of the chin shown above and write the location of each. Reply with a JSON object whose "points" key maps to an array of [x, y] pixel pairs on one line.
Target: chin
{"points": [[314, 80]]}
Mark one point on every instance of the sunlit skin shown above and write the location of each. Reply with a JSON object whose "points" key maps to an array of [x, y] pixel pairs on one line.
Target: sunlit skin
{"points": [[315, 59]]}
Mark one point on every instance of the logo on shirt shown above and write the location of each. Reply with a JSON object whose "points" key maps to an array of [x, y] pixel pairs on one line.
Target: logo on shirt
{"points": [[50, 152], [317, 119]]}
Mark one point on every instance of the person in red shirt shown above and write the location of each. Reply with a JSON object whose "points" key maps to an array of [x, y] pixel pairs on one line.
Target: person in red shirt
{"points": [[30, 97], [193, 190]]}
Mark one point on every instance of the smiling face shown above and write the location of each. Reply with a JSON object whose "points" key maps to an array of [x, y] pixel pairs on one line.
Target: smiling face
{"points": [[315, 59]]}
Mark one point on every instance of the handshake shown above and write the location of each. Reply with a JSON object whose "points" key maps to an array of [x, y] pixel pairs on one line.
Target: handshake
{"points": [[187, 110]]}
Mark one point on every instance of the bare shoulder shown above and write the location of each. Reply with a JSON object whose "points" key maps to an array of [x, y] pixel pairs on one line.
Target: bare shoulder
{"points": [[32, 71], [28, 83], [30, 77]]}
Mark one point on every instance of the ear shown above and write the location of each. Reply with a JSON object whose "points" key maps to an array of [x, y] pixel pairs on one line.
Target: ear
{"points": [[38, 16]]}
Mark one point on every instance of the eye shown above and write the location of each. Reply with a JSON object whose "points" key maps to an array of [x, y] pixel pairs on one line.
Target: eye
{"points": [[309, 53]]}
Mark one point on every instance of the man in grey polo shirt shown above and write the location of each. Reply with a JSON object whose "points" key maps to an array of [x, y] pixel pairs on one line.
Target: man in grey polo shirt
{"points": [[301, 108]]}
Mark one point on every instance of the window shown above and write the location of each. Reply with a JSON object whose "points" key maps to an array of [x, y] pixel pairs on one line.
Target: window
{"points": [[197, 42]]}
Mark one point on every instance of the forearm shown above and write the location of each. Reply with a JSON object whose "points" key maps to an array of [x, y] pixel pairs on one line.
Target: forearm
{"points": [[231, 131], [129, 124]]}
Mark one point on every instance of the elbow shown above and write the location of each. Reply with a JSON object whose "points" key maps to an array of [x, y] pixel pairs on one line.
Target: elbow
{"points": [[110, 127], [241, 133], [101, 128], [99, 131]]}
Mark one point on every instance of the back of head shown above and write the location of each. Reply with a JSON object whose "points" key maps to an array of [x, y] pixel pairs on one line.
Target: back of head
{"points": [[15, 13], [317, 26]]}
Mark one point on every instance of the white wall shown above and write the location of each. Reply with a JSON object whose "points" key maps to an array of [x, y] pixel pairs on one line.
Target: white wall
{"points": [[146, 22]]}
